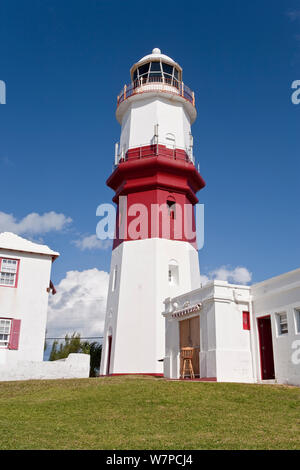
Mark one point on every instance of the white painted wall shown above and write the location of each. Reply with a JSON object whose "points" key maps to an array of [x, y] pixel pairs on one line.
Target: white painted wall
{"points": [[280, 294], [134, 308], [227, 351], [225, 347], [75, 366], [144, 113], [27, 302]]}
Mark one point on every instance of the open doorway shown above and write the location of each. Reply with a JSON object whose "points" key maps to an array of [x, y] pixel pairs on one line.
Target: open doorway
{"points": [[109, 339], [190, 337], [266, 348]]}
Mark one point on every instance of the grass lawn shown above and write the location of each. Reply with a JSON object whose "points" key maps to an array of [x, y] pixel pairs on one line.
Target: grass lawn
{"points": [[137, 412]]}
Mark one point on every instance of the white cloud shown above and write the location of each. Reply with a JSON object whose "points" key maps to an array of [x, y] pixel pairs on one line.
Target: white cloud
{"points": [[79, 304], [204, 279], [33, 223], [238, 275], [91, 242]]}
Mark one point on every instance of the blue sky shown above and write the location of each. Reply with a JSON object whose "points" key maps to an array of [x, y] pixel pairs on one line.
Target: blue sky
{"points": [[64, 63]]}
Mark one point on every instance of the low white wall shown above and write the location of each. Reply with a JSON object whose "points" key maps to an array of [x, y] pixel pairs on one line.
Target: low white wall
{"points": [[75, 366]]}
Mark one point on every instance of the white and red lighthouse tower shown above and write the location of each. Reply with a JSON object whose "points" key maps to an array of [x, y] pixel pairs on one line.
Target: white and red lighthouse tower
{"points": [[155, 182]]}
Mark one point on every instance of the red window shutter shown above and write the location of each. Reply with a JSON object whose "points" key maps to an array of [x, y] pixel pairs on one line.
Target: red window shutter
{"points": [[246, 320], [14, 334]]}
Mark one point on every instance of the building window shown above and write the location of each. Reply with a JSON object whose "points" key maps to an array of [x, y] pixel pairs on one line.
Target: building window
{"points": [[8, 272], [115, 275], [173, 274], [5, 326], [297, 320], [171, 209], [282, 324], [246, 320]]}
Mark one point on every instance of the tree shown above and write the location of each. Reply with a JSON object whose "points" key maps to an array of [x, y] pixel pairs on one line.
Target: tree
{"points": [[73, 344], [94, 350]]}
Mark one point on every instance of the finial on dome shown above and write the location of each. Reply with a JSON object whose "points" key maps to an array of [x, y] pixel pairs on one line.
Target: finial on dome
{"points": [[156, 50]]}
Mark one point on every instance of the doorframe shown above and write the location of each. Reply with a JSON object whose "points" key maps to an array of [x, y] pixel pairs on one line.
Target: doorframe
{"points": [[179, 341], [259, 343]]}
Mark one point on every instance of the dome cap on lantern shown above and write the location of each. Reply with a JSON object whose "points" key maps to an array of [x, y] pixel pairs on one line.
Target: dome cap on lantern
{"points": [[156, 55]]}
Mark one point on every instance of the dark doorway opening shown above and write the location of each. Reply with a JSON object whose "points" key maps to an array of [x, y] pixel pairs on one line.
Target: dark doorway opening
{"points": [[190, 337], [266, 348], [108, 354]]}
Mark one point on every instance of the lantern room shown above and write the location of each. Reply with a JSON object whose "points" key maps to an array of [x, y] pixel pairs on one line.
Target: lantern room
{"points": [[156, 67], [156, 107]]}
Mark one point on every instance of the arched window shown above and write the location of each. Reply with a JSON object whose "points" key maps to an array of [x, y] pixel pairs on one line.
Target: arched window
{"points": [[114, 281], [173, 273], [171, 203]]}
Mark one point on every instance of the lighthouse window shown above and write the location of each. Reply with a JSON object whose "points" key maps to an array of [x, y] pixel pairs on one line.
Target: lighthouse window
{"points": [[168, 69], [173, 274], [171, 209], [155, 71], [155, 67], [114, 283], [143, 69]]}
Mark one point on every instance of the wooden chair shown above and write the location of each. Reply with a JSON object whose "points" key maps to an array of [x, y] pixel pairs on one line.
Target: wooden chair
{"points": [[187, 366]]}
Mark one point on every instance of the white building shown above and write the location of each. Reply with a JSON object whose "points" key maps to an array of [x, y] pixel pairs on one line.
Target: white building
{"points": [[25, 269], [239, 333], [154, 168]]}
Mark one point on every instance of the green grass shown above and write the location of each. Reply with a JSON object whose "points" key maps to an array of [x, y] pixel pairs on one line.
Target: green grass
{"points": [[147, 413]]}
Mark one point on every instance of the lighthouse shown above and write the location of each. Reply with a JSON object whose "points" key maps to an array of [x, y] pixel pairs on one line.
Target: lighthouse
{"points": [[155, 181]]}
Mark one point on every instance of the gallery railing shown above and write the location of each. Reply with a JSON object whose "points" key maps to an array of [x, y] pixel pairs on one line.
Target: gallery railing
{"points": [[156, 84]]}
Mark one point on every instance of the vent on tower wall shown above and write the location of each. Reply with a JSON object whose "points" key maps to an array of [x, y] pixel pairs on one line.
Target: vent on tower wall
{"points": [[171, 209], [170, 140]]}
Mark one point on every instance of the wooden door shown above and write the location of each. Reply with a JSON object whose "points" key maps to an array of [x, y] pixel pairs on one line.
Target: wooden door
{"points": [[189, 331], [266, 348]]}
